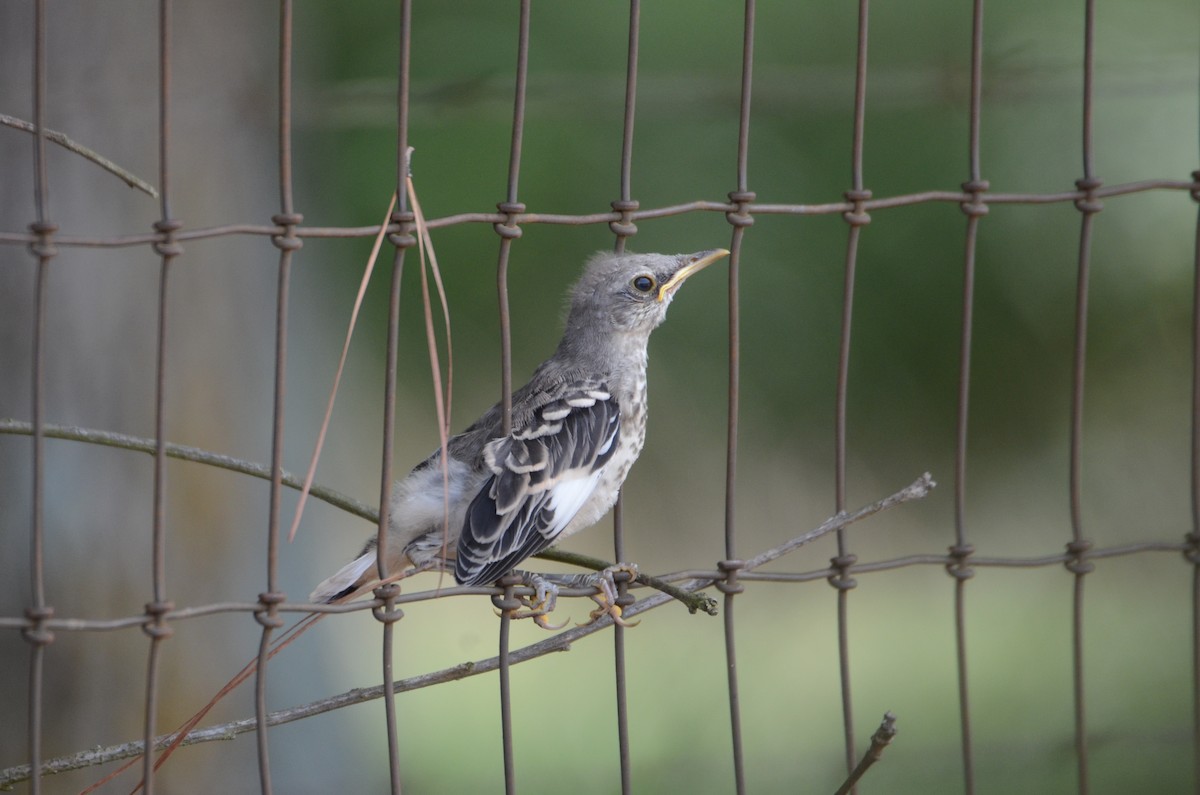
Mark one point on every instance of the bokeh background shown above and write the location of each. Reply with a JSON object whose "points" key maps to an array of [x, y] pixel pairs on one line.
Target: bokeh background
{"points": [[903, 382]]}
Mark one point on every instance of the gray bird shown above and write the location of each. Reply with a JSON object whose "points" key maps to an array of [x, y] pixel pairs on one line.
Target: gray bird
{"points": [[577, 427]]}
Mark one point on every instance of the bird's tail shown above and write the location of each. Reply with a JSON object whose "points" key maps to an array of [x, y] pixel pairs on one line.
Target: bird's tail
{"points": [[348, 579]]}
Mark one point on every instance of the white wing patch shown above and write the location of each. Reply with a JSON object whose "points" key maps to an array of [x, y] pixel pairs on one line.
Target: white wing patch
{"points": [[567, 497]]}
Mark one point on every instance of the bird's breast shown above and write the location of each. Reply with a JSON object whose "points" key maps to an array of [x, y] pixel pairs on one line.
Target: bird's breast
{"points": [[632, 437]]}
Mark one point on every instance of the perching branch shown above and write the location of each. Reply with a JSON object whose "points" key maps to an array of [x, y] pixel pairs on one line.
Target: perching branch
{"points": [[560, 642], [81, 150], [693, 602], [194, 454], [882, 737]]}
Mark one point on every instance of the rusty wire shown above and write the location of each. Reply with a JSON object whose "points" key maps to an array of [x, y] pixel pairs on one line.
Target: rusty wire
{"points": [[288, 232], [156, 627], [960, 551], [623, 230], [42, 247]]}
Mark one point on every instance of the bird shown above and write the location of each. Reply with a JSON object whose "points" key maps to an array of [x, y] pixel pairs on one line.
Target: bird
{"points": [[576, 428]]}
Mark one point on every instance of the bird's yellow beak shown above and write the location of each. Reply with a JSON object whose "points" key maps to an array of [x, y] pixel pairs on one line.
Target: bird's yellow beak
{"points": [[698, 262]]}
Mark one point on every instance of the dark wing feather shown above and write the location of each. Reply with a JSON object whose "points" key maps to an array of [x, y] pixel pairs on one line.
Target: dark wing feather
{"points": [[542, 473]]}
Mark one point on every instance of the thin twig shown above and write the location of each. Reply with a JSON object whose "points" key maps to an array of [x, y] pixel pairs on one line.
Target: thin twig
{"points": [[81, 150], [560, 642], [917, 490], [442, 398], [882, 737], [194, 454], [306, 489]]}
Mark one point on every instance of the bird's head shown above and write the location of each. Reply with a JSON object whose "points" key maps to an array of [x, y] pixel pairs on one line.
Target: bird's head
{"points": [[631, 292]]}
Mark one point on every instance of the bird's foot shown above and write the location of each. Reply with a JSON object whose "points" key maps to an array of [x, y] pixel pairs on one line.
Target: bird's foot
{"points": [[607, 596], [541, 603]]}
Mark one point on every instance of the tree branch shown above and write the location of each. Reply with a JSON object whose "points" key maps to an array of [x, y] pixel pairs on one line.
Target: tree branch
{"points": [[194, 454], [882, 737], [62, 140]]}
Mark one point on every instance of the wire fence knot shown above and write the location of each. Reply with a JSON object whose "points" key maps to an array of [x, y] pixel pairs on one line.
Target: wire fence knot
{"points": [[624, 226], [1088, 203], [1192, 551], [168, 246], [268, 617], [155, 626], [38, 634], [957, 566], [857, 216], [1078, 562], [288, 240], [840, 577], [403, 237], [508, 228], [730, 585], [623, 578], [387, 613], [506, 602], [975, 206], [43, 247], [740, 215]]}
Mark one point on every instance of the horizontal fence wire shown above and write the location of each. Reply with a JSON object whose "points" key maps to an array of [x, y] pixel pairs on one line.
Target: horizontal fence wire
{"points": [[287, 232], [944, 561], [564, 219]]}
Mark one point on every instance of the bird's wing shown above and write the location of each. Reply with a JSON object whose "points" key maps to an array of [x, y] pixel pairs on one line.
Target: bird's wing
{"points": [[542, 474]]}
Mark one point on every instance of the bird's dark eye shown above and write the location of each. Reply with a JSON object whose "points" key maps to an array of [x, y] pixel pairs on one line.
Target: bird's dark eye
{"points": [[643, 284]]}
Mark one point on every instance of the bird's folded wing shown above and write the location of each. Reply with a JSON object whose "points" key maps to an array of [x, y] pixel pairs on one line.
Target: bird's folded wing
{"points": [[542, 474]]}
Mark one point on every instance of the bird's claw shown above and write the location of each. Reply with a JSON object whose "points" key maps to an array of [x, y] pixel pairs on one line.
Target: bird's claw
{"points": [[607, 594], [540, 604]]}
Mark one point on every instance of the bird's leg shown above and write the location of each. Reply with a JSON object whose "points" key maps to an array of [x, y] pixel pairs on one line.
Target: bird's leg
{"points": [[606, 599], [541, 604], [607, 593]]}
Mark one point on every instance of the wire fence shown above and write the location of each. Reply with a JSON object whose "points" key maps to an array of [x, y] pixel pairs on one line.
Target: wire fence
{"points": [[40, 626]]}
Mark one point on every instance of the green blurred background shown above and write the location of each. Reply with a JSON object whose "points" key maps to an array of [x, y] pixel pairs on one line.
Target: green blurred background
{"points": [[902, 390]]}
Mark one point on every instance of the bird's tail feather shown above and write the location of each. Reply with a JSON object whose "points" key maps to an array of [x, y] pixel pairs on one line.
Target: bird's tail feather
{"points": [[347, 580]]}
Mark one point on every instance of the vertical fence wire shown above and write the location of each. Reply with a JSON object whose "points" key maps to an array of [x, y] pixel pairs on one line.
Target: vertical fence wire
{"points": [[1192, 551], [38, 635], [1078, 546], [155, 626], [975, 210], [509, 231], [287, 242], [623, 229], [511, 207], [389, 614], [857, 218], [739, 219], [385, 491]]}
